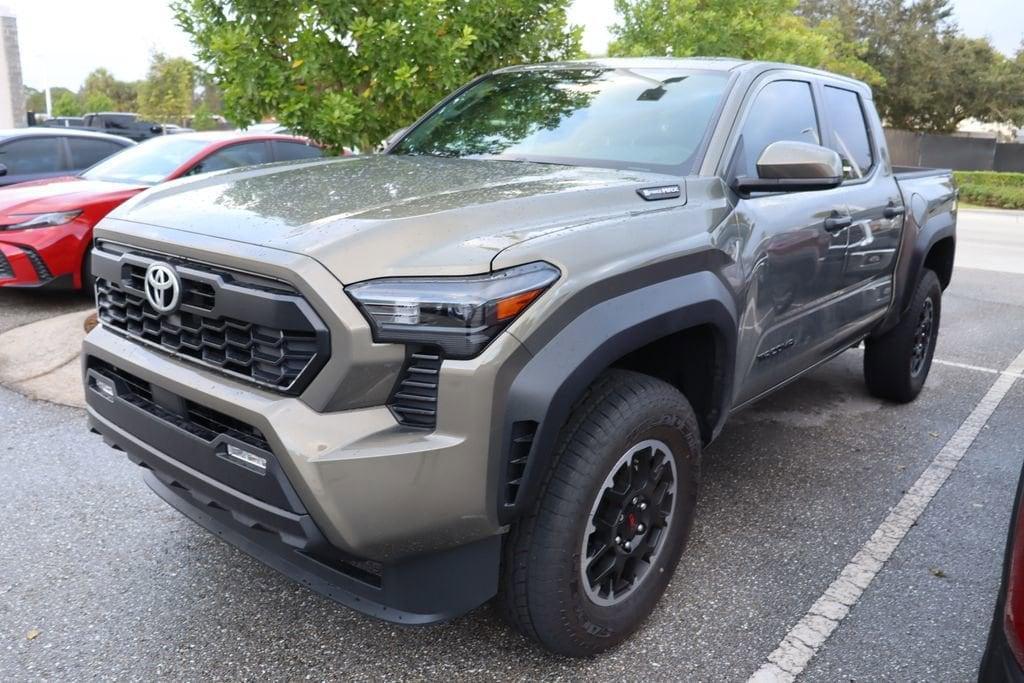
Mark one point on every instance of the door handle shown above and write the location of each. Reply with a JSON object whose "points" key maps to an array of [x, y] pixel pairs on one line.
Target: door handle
{"points": [[836, 222], [892, 211]]}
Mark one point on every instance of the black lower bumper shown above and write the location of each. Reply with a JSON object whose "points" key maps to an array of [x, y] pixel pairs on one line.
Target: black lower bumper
{"points": [[422, 589]]}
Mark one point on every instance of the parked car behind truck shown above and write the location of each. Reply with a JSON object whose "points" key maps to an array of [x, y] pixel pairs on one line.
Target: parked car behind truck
{"points": [[36, 153], [487, 361], [46, 227]]}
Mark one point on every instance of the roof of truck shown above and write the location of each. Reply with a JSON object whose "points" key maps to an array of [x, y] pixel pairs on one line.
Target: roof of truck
{"points": [[703, 63]]}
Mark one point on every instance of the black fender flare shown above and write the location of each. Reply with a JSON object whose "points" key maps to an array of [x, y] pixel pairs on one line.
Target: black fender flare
{"points": [[565, 362], [931, 233]]}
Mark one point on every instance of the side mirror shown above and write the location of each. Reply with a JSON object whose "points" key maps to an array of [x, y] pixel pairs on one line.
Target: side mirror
{"points": [[3, 169], [788, 166]]}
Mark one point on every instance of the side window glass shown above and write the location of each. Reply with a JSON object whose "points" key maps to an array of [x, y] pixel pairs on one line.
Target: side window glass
{"points": [[782, 110], [246, 154], [290, 151], [85, 152], [849, 131], [32, 155]]}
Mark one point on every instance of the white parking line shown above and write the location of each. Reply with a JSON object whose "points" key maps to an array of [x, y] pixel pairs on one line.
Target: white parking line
{"points": [[807, 637], [977, 368], [966, 366]]}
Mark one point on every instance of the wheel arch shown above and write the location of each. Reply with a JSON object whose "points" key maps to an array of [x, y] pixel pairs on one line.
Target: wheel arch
{"points": [[631, 330]]}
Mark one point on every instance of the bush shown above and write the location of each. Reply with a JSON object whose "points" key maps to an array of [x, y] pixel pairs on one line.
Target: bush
{"points": [[989, 188]]}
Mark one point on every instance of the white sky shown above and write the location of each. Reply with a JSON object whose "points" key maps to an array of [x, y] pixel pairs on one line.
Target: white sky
{"points": [[63, 40]]}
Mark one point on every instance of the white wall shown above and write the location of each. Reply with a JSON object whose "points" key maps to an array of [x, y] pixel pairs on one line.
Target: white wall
{"points": [[12, 93]]}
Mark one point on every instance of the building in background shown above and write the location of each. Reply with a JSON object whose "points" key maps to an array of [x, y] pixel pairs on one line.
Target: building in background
{"points": [[12, 91], [1003, 132]]}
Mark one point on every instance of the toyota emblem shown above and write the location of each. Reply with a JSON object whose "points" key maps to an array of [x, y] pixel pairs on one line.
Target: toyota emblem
{"points": [[163, 288]]}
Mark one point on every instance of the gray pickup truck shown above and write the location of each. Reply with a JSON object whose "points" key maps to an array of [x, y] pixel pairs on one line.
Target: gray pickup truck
{"points": [[485, 362]]}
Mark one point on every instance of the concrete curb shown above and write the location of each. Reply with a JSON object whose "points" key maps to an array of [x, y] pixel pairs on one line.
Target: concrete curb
{"points": [[41, 359]]}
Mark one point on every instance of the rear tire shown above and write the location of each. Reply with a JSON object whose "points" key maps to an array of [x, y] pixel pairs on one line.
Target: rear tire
{"points": [[629, 454], [896, 364]]}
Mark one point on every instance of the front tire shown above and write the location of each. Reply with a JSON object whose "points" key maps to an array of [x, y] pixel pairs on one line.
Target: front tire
{"points": [[586, 566], [896, 364]]}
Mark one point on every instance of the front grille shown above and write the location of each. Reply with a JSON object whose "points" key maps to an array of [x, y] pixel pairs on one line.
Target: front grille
{"points": [[414, 399], [6, 271], [257, 331]]}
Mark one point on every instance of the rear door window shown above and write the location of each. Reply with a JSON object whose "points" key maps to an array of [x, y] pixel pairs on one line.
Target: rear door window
{"points": [[782, 110], [86, 152], [33, 155], [291, 151], [849, 131], [245, 154]]}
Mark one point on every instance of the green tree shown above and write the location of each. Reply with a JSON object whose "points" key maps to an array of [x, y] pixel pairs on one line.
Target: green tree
{"points": [[934, 77], [35, 100], [749, 29], [203, 119], [122, 95], [97, 101], [350, 72], [66, 103], [166, 94]]}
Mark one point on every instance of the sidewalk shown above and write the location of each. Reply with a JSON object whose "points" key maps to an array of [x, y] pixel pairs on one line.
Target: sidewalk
{"points": [[41, 359]]}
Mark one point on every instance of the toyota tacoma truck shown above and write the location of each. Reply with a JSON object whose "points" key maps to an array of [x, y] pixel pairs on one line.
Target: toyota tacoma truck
{"points": [[485, 362]]}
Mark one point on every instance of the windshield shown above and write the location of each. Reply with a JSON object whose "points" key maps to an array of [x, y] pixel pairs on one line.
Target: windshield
{"points": [[148, 163], [651, 119]]}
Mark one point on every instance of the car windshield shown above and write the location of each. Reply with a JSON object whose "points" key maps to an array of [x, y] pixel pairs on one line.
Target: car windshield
{"points": [[650, 119], [148, 163]]}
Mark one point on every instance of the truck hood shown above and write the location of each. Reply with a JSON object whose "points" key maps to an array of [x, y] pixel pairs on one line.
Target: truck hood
{"points": [[379, 216]]}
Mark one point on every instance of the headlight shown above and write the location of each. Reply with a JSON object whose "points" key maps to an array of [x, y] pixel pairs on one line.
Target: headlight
{"points": [[461, 315], [44, 220]]}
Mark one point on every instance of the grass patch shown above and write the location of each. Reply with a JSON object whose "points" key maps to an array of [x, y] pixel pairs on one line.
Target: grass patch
{"points": [[988, 188]]}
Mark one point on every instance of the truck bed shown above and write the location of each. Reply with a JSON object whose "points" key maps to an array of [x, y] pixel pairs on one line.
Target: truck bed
{"points": [[911, 172]]}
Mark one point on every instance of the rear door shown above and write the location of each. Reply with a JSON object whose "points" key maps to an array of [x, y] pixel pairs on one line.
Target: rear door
{"points": [[792, 259], [87, 151], [873, 201], [33, 158]]}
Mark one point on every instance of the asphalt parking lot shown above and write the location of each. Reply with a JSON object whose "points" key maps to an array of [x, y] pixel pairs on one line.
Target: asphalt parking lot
{"points": [[116, 585]]}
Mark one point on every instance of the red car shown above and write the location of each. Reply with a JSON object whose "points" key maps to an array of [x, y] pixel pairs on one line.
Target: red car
{"points": [[46, 226]]}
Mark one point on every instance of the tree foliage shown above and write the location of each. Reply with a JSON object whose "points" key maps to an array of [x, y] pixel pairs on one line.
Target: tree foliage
{"points": [[749, 29], [934, 77], [66, 103], [98, 101], [167, 93], [100, 87], [350, 72], [35, 100]]}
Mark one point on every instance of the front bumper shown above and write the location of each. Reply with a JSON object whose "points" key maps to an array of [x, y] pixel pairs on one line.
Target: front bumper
{"points": [[45, 258], [264, 516]]}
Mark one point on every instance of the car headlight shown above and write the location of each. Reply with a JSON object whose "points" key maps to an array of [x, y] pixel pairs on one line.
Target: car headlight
{"points": [[461, 315], [43, 220]]}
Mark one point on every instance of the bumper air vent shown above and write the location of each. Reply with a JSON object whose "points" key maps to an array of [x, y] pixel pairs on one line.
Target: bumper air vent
{"points": [[42, 272], [6, 271], [414, 399], [518, 457]]}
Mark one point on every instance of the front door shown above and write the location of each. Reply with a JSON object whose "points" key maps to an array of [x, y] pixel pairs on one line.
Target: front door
{"points": [[794, 252]]}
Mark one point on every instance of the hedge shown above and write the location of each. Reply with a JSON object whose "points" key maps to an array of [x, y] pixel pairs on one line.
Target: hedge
{"points": [[989, 188]]}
